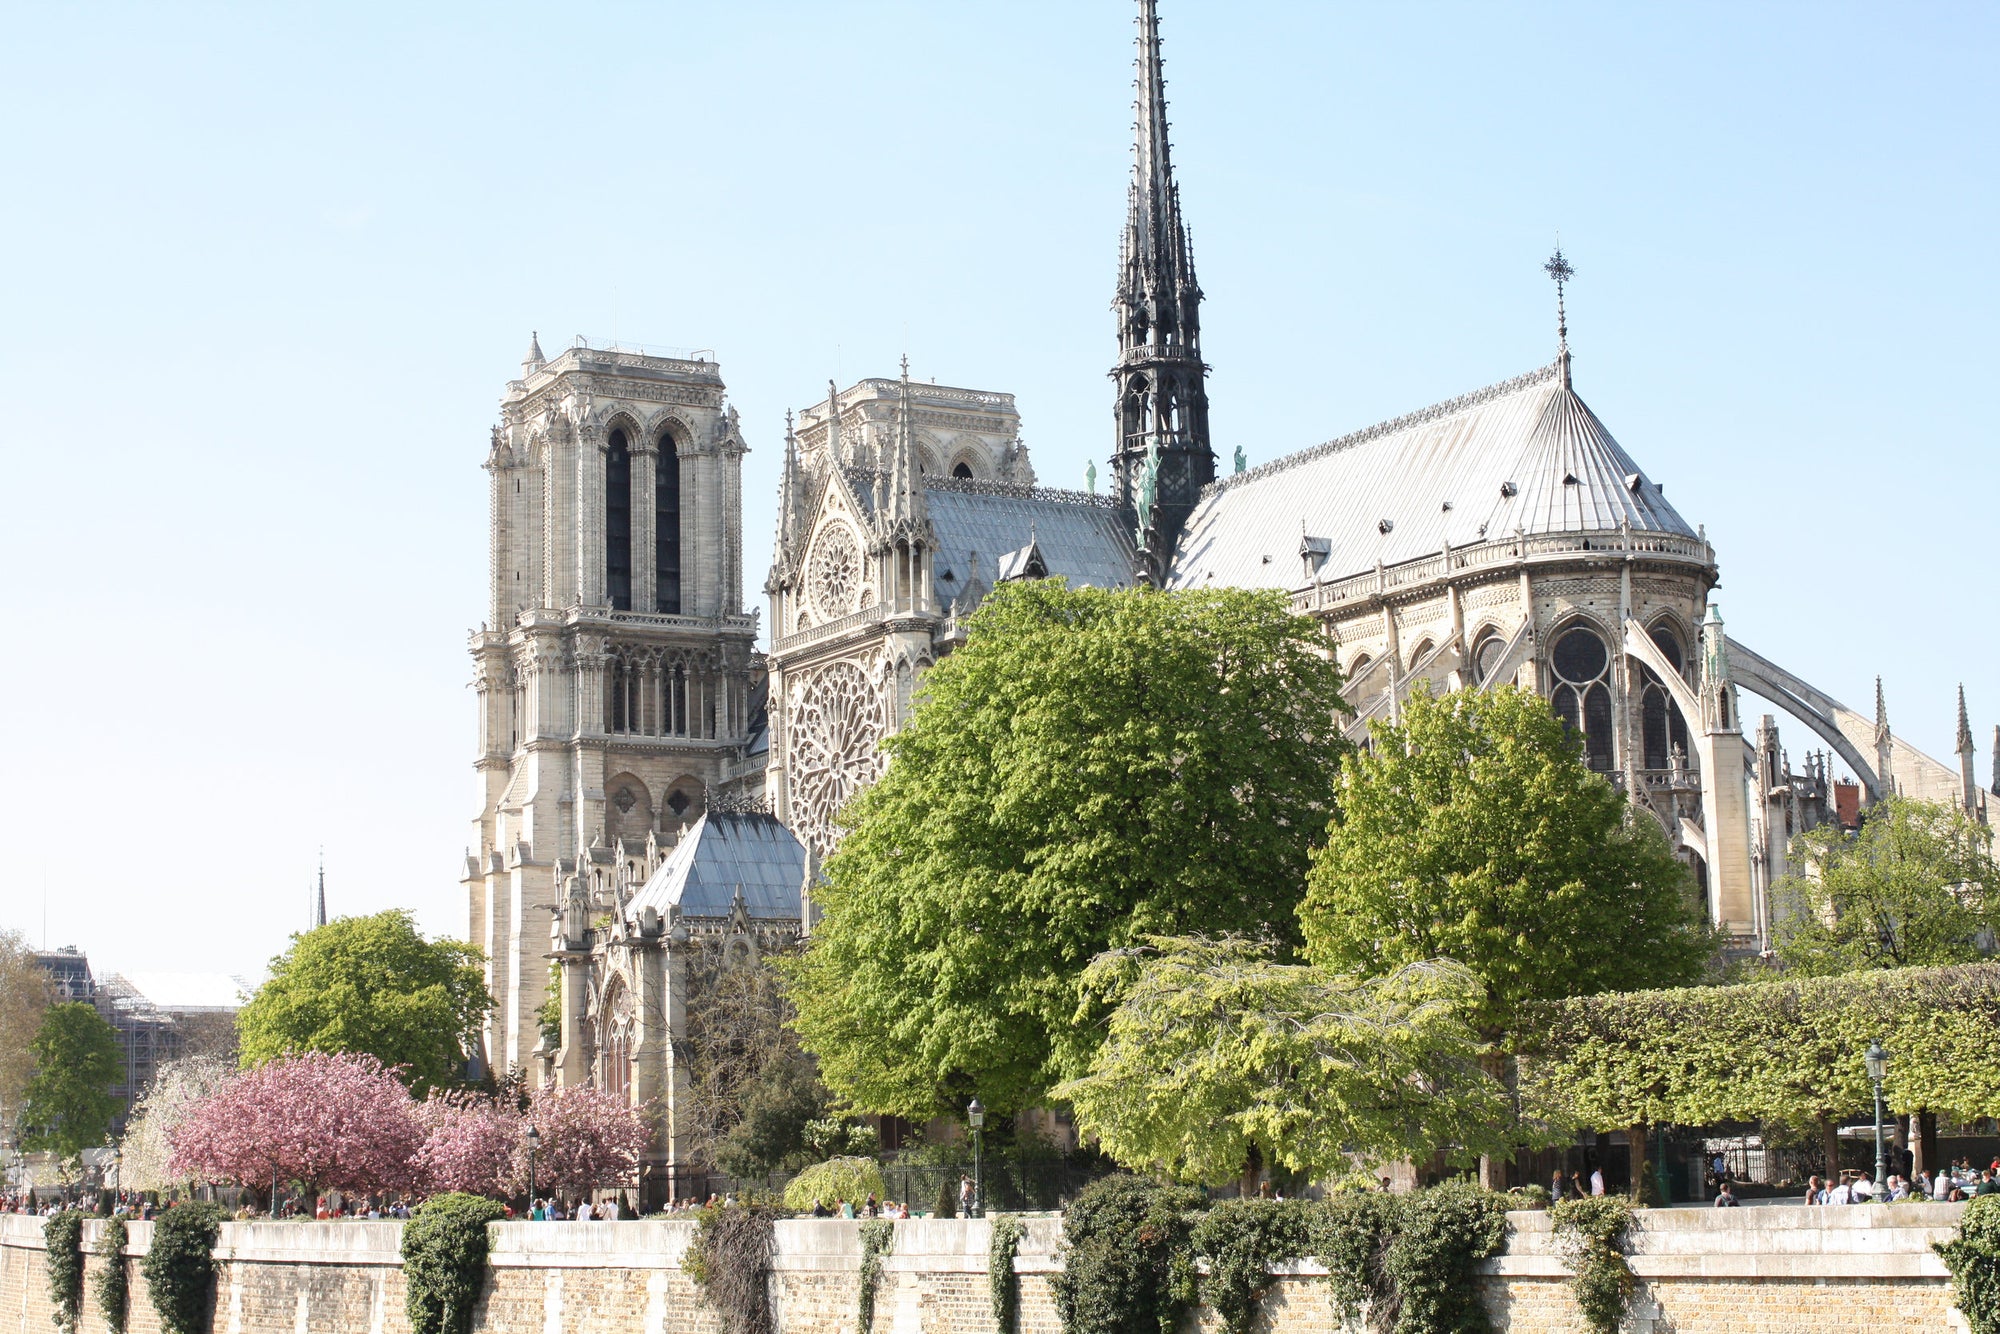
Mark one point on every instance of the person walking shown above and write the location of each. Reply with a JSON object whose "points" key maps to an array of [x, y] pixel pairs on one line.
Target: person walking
{"points": [[1596, 1181], [1725, 1198], [1556, 1186]]}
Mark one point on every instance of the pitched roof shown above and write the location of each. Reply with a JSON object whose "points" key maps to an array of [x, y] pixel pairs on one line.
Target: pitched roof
{"points": [[1525, 453], [725, 852], [1078, 535]]}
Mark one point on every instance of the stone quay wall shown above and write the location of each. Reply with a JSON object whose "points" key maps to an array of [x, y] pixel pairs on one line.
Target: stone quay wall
{"points": [[1768, 1270]]}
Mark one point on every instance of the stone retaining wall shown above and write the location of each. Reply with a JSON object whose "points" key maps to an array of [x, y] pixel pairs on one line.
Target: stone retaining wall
{"points": [[1762, 1271]]}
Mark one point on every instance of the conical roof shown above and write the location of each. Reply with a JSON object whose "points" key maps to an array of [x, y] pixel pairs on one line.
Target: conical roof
{"points": [[1527, 453]]}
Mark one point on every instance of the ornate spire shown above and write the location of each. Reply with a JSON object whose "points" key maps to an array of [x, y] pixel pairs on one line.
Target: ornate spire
{"points": [[1964, 727], [1162, 402], [906, 484], [534, 361], [1559, 269], [319, 910], [788, 490], [1881, 714]]}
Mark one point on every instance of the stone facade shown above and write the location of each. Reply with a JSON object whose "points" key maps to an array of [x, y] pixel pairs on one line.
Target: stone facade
{"points": [[1747, 1271]]}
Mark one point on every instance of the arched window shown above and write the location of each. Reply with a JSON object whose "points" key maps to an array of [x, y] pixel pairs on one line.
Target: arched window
{"points": [[962, 470], [1662, 729], [615, 1048], [618, 522], [1486, 655], [1582, 697], [667, 528]]}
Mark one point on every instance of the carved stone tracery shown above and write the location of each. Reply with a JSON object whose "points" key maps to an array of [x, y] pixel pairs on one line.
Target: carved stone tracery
{"points": [[836, 726]]}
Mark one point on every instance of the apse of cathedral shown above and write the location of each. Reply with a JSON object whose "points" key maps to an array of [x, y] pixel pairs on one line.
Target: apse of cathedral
{"points": [[656, 794]]}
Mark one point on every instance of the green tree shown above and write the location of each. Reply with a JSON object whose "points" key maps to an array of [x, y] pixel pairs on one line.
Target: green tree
{"points": [[1092, 767], [1473, 831], [373, 985], [24, 999], [1217, 1058], [68, 1105], [1915, 886]]}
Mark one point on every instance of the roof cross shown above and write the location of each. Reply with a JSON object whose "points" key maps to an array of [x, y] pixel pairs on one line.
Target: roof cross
{"points": [[1559, 269]]}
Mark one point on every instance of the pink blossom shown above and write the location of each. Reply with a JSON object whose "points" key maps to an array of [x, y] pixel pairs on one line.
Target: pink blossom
{"points": [[331, 1122], [590, 1139], [469, 1143]]}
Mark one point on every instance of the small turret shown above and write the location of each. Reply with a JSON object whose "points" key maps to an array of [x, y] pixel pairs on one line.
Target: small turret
{"points": [[534, 361]]}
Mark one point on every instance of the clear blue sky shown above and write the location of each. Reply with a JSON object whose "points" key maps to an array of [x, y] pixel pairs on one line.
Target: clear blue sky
{"points": [[268, 267]]}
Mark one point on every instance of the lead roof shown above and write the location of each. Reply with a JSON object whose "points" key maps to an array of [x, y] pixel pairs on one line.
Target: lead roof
{"points": [[727, 852], [1525, 453]]}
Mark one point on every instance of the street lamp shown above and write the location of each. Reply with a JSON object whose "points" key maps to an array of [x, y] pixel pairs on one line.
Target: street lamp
{"points": [[975, 1116], [534, 1143], [1877, 1061]]}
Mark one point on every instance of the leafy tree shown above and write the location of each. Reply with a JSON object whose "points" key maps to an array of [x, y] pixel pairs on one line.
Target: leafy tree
{"points": [[1786, 1053], [1473, 831], [1092, 767], [470, 1142], [371, 985], [178, 1086], [591, 1138], [1217, 1056], [1917, 885], [24, 999], [328, 1121], [68, 1104]]}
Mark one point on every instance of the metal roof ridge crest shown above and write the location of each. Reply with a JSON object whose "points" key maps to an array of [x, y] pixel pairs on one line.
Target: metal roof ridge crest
{"points": [[1389, 427]]}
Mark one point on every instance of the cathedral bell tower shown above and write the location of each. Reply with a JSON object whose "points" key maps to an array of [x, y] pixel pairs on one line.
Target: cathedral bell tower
{"points": [[614, 672], [1163, 458]]}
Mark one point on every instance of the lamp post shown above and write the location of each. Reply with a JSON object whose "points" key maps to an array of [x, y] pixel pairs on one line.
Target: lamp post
{"points": [[117, 1172], [534, 1143], [1877, 1061], [975, 1116]]}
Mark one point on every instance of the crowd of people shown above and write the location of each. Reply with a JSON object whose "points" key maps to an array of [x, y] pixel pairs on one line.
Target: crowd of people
{"points": [[1959, 1181]]}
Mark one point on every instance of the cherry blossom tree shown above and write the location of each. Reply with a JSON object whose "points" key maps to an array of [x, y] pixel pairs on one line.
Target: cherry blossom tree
{"points": [[590, 1139], [177, 1088], [328, 1121], [469, 1143]]}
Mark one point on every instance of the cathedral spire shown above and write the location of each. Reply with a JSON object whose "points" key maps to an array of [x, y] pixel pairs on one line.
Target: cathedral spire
{"points": [[1162, 405], [319, 911], [534, 361], [1964, 726]]}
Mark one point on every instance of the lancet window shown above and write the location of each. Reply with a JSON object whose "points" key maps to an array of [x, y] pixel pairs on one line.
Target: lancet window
{"points": [[667, 528], [1661, 727], [618, 522], [1582, 697]]}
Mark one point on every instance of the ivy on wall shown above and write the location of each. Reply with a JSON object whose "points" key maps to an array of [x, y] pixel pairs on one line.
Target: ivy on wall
{"points": [[62, 1234], [180, 1266], [878, 1237], [1003, 1285], [444, 1261], [1973, 1257], [113, 1296]]}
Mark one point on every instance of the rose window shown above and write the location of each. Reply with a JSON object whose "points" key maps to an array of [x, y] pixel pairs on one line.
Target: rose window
{"points": [[836, 726], [834, 572]]}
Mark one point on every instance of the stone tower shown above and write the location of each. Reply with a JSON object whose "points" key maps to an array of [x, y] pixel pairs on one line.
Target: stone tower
{"points": [[1163, 458], [614, 671]]}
